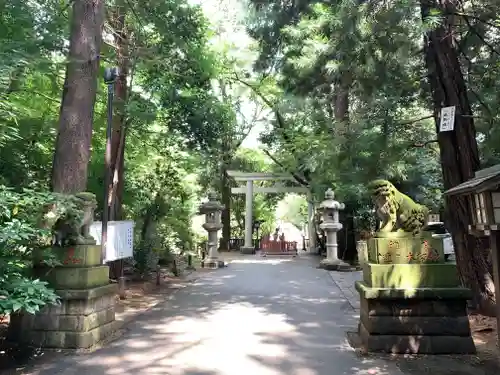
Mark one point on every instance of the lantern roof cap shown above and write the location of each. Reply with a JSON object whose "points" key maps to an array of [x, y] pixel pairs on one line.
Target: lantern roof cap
{"points": [[212, 205], [483, 180]]}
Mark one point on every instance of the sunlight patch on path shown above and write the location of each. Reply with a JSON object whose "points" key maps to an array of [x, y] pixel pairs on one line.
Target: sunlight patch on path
{"points": [[257, 261], [231, 337]]}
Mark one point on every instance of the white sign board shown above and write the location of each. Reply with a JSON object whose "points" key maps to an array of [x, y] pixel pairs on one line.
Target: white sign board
{"points": [[447, 120], [433, 218], [120, 239], [448, 245]]}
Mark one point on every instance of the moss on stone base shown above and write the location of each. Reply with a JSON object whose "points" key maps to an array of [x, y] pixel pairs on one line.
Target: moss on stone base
{"points": [[75, 278], [418, 249], [401, 276], [72, 256], [83, 318]]}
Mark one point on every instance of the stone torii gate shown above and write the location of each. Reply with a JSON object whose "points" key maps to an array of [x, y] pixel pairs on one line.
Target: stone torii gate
{"points": [[249, 190]]}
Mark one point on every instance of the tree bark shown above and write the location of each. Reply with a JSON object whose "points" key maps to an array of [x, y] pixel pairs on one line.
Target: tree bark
{"points": [[341, 101], [72, 150], [118, 135], [227, 153], [341, 116], [117, 19], [459, 152]]}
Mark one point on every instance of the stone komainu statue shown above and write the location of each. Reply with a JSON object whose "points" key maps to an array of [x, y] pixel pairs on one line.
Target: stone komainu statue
{"points": [[70, 224], [396, 211]]}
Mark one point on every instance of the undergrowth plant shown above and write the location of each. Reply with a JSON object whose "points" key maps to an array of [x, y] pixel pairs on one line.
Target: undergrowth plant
{"points": [[22, 231]]}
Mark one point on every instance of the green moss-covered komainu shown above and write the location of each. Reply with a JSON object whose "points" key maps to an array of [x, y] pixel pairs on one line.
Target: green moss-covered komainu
{"points": [[396, 211]]}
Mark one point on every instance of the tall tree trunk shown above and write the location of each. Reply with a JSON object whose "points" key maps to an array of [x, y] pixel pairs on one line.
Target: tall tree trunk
{"points": [[341, 101], [72, 151], [459, 152], [118, 23], [381, 166], [341, 115], [227, 153]]}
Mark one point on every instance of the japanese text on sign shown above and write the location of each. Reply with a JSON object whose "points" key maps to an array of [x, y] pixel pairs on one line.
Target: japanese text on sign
{"points": [[447, 121]]}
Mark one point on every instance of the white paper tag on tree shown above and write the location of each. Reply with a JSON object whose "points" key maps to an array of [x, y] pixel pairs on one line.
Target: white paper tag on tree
{"points": [[447, 120]]}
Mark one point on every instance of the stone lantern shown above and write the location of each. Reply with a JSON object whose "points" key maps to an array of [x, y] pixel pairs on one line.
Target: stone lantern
{"points": [[483, 197], [212, 210], [330, 215]]}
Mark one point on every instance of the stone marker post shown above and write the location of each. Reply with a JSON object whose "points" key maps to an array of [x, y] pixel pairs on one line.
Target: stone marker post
{"points": [[212, 210], [330, 213]]}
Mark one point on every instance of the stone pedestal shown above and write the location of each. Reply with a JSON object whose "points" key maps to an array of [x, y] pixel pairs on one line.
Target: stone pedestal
{"points": [[86, 314], [411, 301], [418, 321]]}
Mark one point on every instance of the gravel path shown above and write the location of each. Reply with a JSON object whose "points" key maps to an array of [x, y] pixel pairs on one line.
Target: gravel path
{"points": [[258, 316]]}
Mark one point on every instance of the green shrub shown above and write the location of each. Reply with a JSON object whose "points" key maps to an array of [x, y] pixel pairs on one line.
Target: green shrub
{"points": [[21, 232]]}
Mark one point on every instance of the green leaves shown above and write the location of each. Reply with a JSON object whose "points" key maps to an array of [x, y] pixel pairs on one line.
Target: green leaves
{"points": [[372, 52], [433, 19], [21, 232], [22, 294]]}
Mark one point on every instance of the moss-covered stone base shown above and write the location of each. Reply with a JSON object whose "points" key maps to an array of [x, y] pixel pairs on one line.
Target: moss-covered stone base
{"points": [[72, 256], [83, 318], [397, 247], [426, 321], [74, 277], [403, 276]]}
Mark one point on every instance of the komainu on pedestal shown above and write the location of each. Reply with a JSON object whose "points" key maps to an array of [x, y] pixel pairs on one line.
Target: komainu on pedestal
{"points": [[411, 299], [86, 314]]}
